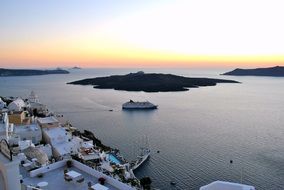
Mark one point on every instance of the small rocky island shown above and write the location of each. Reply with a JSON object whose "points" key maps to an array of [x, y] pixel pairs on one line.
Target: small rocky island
{"points": [[277, 71], [76, 67], [29, 72], [149, 82]]}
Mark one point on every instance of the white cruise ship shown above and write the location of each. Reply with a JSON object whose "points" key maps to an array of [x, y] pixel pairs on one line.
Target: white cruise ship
{"points": [[138, 105]]}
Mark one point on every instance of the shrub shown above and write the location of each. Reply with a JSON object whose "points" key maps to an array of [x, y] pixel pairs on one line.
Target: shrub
{"points": [[102, 180], [146, 182], [69, 163]]}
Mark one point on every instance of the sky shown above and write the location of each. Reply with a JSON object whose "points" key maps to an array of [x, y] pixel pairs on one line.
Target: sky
{"points": [[141, 33]]}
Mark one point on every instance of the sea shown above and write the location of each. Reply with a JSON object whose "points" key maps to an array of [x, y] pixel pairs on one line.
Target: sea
{"points": [[193, 135]]}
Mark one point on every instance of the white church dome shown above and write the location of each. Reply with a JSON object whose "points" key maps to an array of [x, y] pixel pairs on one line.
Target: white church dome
{"points": [[33, 98]]}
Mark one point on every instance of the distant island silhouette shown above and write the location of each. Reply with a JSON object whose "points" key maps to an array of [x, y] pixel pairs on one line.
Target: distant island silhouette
{"points": [[150, 82], [277, 71], [76, 67], [29, 72]]}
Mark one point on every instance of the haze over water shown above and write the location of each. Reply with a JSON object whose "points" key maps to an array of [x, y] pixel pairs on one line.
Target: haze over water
{"points": [[197, 132]]}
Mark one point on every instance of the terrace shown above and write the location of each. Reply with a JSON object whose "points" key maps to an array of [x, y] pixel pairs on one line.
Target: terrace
{"points": [[55, 178]]}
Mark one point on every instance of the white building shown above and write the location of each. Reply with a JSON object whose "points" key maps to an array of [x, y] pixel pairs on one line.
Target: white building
{"points": [[2, 126], [25, 144], [48, 122], [24, 132], [6, 129], [65, 150], [29, 132], [15, 133], [88, 152], [38, 108], [62, 142], [33, 98], [56, 135], [2, 104], [9, 171], [17, 105], [35, 105]]}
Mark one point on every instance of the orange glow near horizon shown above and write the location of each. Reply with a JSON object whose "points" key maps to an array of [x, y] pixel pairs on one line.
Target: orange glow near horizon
{"points": [[109, 54], [61, 56]]}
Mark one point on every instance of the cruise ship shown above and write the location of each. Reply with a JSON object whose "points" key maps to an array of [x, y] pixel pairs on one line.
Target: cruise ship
{"points": [[138, 105]]}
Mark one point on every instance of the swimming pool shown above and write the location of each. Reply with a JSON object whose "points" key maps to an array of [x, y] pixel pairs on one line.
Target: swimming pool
{"points": [[113, 159]]}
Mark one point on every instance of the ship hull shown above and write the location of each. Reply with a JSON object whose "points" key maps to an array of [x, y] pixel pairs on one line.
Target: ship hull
{"points": [[140, 108], [146, 157]]}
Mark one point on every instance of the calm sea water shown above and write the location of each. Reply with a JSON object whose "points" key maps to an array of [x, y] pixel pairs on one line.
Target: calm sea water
{"points": [[197, 132]]}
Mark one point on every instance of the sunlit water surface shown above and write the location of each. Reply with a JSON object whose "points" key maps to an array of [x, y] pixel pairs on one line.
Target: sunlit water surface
{"points": [[197, 132]]}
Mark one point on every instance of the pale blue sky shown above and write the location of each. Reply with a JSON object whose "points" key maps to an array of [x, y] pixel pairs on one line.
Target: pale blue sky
{"points": [[24, 19], [141, 32]]}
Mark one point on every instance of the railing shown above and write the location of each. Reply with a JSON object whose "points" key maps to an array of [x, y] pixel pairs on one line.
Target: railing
{"points": [[48, 168], [29, 187], [97, 174], [85, 168]]}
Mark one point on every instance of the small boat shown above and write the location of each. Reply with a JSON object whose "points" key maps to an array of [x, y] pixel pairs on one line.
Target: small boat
{"points": [[139, 105], [173, 183], [145, 153]]}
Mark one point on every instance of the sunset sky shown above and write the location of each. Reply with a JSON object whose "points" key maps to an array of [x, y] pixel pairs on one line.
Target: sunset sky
{"points": [[144, 33]]}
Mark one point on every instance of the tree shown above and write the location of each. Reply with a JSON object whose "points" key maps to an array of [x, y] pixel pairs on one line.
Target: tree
{"points": [[146, 182]]}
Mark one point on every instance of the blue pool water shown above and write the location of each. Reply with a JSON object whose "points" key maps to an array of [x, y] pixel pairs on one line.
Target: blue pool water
{"points": [[113, 159]]}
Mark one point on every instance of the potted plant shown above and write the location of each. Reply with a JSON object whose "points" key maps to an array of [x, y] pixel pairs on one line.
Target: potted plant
{"points": [[102, 180], [69, 163], [90, 186]]}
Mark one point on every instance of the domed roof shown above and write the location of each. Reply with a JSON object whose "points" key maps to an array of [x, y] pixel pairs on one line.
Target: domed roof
{"points": [[37, 153], [33, 94], [33, 97], [16, 105]]}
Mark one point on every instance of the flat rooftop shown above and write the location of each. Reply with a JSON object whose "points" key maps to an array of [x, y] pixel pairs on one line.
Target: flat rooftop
{"points": [[47, 120], [55, 179], [27, 127]]}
